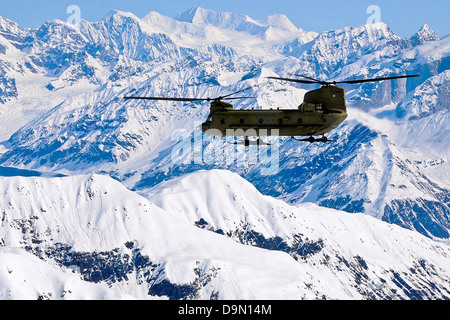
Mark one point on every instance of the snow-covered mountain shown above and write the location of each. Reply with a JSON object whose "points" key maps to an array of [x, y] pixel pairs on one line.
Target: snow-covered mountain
{"points": [[62, 112], [222, 242], [82, 75], [273, 28], [427, 99], [425, 34], [23, 276]]}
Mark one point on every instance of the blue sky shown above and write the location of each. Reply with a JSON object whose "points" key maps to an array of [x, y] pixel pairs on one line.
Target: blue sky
{"points": [[403, 17]]}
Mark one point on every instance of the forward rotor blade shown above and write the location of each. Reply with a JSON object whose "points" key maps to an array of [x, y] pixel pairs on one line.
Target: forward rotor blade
{"points": [[186, 99], [295, 80], [376, 79], [167, 99], [238, 98], [226, 97]]}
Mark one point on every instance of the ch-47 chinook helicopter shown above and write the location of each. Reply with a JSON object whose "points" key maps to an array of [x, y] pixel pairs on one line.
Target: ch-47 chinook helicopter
{"points": [[322, 110]]}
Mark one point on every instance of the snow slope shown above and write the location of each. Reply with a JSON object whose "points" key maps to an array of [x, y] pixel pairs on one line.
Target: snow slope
{"points": [[64, 88], [24, 276], [62, 111], [106, 234]]}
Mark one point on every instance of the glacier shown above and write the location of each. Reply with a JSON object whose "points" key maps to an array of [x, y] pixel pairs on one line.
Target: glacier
{"points": [[65, 126]]}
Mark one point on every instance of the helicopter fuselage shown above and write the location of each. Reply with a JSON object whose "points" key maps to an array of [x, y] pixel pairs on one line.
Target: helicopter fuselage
{"points": [[323, 110]]}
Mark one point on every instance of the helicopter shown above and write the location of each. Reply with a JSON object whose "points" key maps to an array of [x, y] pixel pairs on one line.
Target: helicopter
{"points": [[321, 111]]}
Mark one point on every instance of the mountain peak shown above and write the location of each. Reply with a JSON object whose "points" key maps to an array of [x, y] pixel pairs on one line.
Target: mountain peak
{"points": [[271, 28], [118, 13], [4, 22], [193, 15], [11, 30], [280, 21], [425, 34], [198, 15], [189, 15]]}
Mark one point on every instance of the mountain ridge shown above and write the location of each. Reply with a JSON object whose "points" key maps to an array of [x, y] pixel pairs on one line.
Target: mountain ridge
{"points": [[131, 199], [62, 89], [96, 231]]}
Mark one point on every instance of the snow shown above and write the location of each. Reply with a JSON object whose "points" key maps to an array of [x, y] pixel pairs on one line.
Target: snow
{"points": [[425, 34], [228, 202], [19, 281], [430, 50], [62, 112], [97, 214], [199, 27]]}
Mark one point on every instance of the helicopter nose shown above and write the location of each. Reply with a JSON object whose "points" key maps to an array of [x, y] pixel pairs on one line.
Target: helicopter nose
{"points": [[204, 126]]}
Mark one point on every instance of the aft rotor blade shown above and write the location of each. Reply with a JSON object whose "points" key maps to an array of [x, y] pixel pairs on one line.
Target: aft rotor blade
{"points": [[295, 80], [252, 87], [168, 99], [376, 79]]}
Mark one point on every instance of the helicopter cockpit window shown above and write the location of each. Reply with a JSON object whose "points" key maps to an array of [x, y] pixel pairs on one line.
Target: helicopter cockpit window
{"points": [[209, 119]]}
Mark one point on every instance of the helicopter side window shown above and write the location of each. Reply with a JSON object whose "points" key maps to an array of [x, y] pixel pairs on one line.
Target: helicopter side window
{"points": [[261, 121], [209, 119], [299, 120], [280, 121], [222, 121], [241, 121]]}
